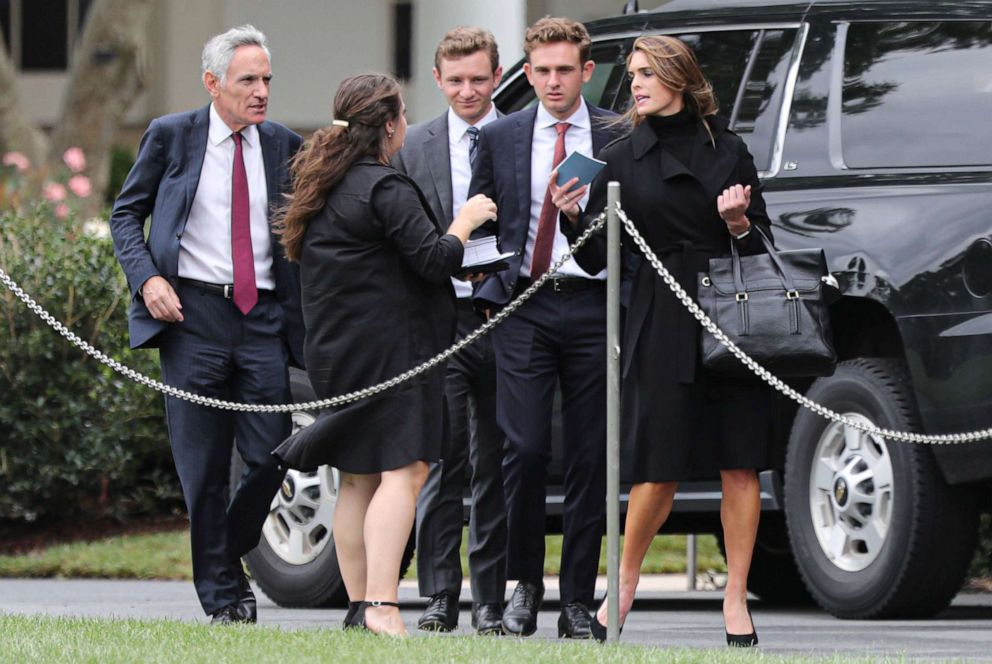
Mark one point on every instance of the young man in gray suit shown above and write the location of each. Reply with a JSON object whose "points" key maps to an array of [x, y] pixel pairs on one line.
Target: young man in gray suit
{"points": [[438, 155], [211, 290]]}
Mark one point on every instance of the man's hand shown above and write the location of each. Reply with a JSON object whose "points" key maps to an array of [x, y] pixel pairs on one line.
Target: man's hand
{"points": [[161, 300], [565, 198]]}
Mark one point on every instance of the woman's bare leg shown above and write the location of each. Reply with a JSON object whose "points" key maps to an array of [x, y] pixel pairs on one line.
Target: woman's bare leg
{"points": [[739, 512], [649, 505], [388, 524], [354, 496]]}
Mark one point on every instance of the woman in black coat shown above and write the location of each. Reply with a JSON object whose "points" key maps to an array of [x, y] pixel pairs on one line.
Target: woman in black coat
{"points": [[375, 269], [690, 186]]}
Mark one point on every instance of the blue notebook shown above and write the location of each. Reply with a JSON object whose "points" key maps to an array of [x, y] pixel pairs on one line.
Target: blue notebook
{"points": [[577, 165]]}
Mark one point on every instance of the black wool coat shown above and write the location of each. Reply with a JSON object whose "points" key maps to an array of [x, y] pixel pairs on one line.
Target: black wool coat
{"points": [[376, 269], [678, 422]]}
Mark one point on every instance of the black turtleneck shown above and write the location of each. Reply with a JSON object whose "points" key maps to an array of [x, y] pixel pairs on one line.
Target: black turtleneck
{"points": [[676, 133]]}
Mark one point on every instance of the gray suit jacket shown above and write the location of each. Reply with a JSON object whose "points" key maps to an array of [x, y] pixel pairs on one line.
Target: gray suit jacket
{"points": [[425, 158]]}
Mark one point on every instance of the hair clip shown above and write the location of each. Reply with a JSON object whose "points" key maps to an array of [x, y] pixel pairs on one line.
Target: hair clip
{"points": [[340, 123]]}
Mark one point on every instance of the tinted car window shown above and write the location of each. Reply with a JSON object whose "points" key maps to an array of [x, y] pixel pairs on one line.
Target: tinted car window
{"points": [[756, 113], [910, 92], [725, 58], [601, 90]]}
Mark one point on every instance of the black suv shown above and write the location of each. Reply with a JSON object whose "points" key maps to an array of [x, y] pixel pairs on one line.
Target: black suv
{"points": [[869, 123]]}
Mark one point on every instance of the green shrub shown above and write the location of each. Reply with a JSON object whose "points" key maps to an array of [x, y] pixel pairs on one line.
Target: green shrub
{"points": [[76, 438], [121, 161]]}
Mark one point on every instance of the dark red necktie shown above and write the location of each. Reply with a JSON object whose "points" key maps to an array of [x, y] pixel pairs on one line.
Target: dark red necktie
{"points": [[242, 257], [549, 213]]}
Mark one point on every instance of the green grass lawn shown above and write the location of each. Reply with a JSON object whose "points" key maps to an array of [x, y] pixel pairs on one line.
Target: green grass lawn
{"points": [[42, 639], [166, 556]]}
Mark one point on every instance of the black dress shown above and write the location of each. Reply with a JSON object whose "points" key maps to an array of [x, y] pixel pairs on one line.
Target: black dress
{"points": [[376, 272], [678, 422]]}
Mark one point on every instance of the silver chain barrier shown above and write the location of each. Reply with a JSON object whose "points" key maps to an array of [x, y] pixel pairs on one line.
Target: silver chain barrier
{"points": [[139, 377], [774, 381], [683, 297]]}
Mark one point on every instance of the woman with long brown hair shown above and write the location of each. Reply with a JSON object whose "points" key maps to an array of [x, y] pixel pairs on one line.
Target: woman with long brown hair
{"points": [[690, 186], [375, 269]]}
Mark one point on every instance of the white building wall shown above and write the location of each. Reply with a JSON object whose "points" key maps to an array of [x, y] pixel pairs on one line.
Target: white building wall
{"points": [[315, 44], [432, 18]]}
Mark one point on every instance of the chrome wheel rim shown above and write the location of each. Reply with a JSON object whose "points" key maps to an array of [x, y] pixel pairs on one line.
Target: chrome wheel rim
{"points": [[298, 527], [851, 495]]}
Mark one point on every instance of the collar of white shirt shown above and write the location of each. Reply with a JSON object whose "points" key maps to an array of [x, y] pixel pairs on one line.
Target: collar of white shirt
{"points": [[220, 132], [457, 127], [580, 118]]}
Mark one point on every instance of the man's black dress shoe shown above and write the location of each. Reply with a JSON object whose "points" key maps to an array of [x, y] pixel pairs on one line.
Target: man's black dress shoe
{"points": [[441, 614], [247, 608], [229, 615], [520, 616], [487, 619], [574, 621]]}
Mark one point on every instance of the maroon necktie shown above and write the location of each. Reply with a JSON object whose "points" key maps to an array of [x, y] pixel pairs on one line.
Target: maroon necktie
{"points": [[546, 223], [242, 257]]}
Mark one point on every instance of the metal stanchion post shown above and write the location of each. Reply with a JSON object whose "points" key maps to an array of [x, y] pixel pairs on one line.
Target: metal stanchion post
{"points": [[613, 412], [690, 561]]}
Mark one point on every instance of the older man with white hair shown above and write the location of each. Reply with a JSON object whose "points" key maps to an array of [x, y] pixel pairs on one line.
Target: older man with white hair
{"points": [[212, 291]]}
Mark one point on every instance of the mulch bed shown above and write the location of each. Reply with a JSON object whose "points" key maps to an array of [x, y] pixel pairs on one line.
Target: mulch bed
{"points": [[21, 538]]}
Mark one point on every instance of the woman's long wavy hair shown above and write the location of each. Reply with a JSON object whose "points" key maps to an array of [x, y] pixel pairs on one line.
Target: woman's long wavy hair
{"points": [[366, 102], [675, 65]]}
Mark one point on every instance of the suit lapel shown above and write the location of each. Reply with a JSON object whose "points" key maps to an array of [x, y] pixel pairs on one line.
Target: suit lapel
{"points": [[523, 136], [270, 160], [438, 158], [197, 133], [601, 136]]}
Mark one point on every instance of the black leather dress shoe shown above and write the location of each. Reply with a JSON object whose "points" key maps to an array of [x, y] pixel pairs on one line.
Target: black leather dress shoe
{"points": [[574, 622], [441, 614], [227, 616], [520, 616], [487, 619], [247, 608]]}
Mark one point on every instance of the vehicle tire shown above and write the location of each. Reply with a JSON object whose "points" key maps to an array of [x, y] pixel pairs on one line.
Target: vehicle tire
{"points": [[773, 576], [294, 563], [875, 530]]}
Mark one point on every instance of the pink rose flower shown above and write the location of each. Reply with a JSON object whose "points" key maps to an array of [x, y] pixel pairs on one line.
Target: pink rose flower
{"points": [[61, 210], [80, 186], [17, 160], [74, 159], [53, 191]]}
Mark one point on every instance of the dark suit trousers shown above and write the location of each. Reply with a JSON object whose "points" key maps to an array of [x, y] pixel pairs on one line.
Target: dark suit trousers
{"points": [[554, 338], [470, 389], [218, 352]]}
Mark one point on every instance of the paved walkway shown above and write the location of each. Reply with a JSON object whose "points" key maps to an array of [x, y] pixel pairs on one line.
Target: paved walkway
{"points": [[665, 615]]}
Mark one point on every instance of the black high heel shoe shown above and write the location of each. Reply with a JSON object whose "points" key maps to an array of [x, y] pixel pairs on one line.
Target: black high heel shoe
{"points": [[597, 628], [352, 620], [744, 640]]}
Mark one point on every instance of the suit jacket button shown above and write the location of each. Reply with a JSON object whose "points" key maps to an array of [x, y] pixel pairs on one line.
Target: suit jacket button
{"points": [[179, 236]]}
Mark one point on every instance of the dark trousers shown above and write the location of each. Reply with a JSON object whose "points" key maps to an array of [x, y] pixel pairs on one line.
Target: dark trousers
{"points": [[218, 352], [476, 440], [554, 338]]}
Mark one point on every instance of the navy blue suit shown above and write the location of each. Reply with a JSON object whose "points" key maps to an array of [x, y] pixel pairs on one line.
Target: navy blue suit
{"points": [[215, 351], [556, 338]]}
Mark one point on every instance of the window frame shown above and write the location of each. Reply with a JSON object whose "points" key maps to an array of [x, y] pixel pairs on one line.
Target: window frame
{"points": [[835, 100]]}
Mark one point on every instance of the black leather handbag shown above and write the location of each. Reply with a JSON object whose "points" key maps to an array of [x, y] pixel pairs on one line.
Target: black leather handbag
{"points": [[774, 307]]}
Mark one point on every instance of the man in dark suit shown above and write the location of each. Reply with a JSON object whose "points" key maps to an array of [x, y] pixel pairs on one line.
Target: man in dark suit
{"points": [[438, 155], [210, 288], [557, 338]]}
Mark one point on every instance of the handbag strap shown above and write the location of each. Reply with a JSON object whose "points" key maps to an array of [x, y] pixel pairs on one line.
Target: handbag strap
{"points": [[787, 283]]}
